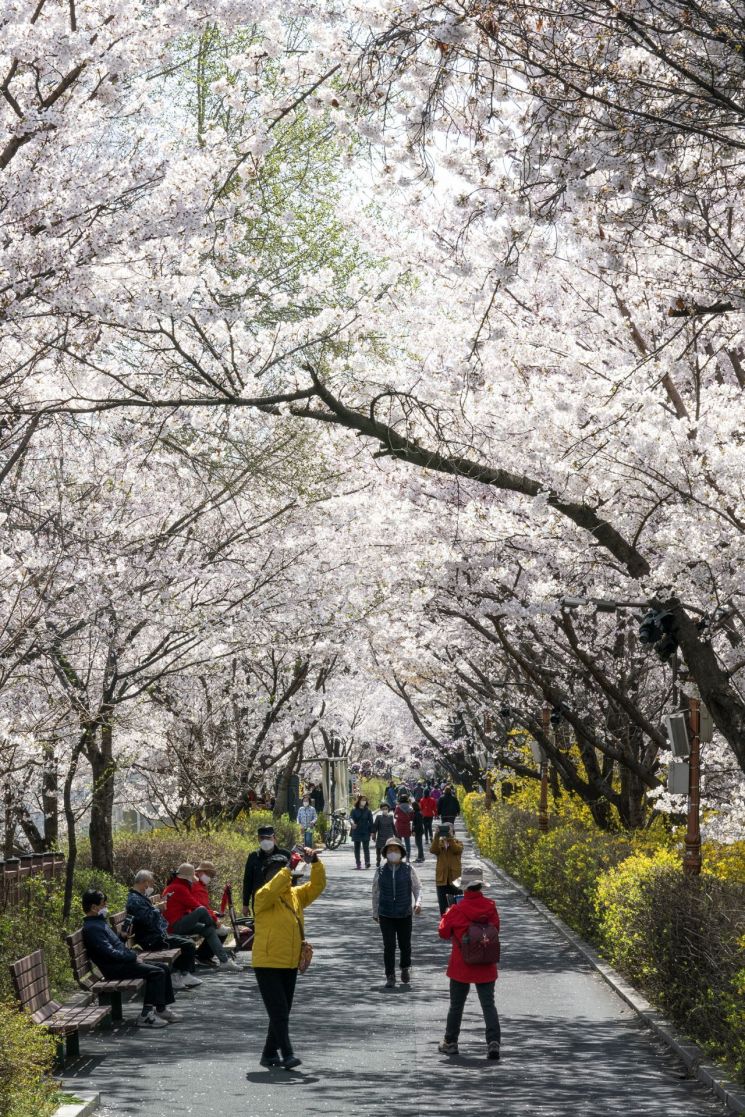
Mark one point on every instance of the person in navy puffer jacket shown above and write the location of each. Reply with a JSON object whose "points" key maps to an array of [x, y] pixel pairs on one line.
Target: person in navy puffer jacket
{"points": [[396, 894], [118, 963]]}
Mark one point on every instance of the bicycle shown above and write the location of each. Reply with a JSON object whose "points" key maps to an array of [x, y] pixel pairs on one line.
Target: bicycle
{"points": [[337, 832]]}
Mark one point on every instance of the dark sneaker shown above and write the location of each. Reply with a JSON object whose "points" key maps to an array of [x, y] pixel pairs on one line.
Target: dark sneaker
{"points": [[291, 1061], [492, 1051], [446, 1048], [406, 976], [271, 1061], [390, 980]]}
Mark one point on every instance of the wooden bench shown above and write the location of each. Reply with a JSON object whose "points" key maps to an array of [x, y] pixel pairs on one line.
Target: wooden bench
{"points": [[108, 992], [31, 986], [167, 955]]}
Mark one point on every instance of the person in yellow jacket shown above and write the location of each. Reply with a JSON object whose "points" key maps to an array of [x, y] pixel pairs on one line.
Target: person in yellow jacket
{"points": [[448, 852], [279, 933]]}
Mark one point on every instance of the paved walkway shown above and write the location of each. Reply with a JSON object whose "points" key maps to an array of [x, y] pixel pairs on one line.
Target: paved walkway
{"points": [[571, 1048]]}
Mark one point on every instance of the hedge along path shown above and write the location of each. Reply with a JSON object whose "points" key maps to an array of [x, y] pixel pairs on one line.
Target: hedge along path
{"points": [[571, 1048]]}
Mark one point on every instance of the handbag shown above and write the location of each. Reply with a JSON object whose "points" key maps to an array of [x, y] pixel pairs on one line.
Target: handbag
{"points": [[306, 948]]}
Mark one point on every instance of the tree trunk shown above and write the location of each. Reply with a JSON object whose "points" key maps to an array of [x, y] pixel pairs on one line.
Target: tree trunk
{"points": [[50, 799], [88, 731], [100, 829], [10, 821]]}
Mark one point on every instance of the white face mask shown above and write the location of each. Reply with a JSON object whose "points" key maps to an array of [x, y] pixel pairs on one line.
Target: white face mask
{"points": [[149, 890], [393, 856], [306, 802], [266, 844], [205, 879], [104, 912], [363, 802]]}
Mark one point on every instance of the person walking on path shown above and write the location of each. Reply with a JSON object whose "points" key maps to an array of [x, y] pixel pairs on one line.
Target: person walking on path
{"points": [[417, 823], [448, 852], [118, 963], [396, 894], [382, 829], [457, 924], [187, 915], [390, 795], [436, 793], [448, 807], [280, 932], [307, 817], [150, 931], [253, 874], [403, 819], [417, 791], [361, 820], [316, 796], [428, 807]]}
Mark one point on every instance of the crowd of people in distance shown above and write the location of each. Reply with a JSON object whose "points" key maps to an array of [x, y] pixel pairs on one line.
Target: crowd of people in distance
{"points": [[278, 885]]}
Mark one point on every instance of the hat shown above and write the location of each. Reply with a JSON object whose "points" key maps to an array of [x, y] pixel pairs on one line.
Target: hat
{"points": [[185, 870], [470, 877], [397, 843], [265, 831], [206, 867]]}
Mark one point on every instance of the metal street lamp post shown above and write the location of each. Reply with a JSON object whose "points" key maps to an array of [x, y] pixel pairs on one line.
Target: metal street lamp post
{"points": [[692, 855], [543, 806]]}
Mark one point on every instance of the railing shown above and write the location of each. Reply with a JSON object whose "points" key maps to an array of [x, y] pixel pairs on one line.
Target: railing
{"points": [[16, 871]]}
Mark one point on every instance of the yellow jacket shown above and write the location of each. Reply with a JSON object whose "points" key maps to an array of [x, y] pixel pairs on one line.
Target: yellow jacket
{"points": [[448, 860], [277, 909]]}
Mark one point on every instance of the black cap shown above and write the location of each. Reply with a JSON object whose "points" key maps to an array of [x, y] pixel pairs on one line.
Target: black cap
{"points": [[265, 831]]}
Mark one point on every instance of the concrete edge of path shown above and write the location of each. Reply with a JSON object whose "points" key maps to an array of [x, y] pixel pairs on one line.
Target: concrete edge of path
{"points": [[85, 1103], [731, 1093]]}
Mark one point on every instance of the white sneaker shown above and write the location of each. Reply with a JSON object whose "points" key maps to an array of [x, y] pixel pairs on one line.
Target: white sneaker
{"points": [[152, 1020], [230, 965], [190, 981], [168, 1015], [178, 982]]}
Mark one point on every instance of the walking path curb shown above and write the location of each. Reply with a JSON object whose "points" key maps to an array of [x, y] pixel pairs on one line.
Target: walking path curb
{"points": [[88, 1103], [731, 1093]]}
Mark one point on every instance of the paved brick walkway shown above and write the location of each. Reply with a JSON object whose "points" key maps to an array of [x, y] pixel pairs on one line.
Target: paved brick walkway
{"points": [[571, 1048]]}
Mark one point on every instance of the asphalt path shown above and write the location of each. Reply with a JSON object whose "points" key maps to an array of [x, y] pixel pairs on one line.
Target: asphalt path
{"points": [[570, 1046]]}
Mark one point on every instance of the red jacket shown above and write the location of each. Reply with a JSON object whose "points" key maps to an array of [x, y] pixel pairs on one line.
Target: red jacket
{"points": [[428, 806], [403, 819], [180, 900], [474, 907], [199, 890]]}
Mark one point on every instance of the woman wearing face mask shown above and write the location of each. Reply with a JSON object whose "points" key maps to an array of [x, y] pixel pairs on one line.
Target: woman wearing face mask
{"points": [[280, 929], [253, 875], [448, 852], [382, 829], [361, 819], [204, 876], [307, 817], [396, 894]]}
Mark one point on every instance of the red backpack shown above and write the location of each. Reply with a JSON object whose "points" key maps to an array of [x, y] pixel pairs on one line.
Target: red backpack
{"points": [[480, 944]]}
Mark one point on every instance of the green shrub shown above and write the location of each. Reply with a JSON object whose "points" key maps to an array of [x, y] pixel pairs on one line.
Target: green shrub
{"points": [[26, 1057]]}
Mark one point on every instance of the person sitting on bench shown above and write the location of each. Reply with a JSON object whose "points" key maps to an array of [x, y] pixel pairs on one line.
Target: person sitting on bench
{"points": [[150, 931], [186, 916], [118, 963], [204, 876]]}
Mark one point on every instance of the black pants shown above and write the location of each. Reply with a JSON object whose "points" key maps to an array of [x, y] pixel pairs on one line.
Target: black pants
{"points": [[427, 827], [360, 844], [277, 988], [419, 845], [458, 995], [393, 928], [443, 891], [158, 987], [185, 961]]}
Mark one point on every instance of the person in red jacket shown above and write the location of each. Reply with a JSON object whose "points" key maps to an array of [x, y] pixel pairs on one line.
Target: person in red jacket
{"points": [[185, 915], [471, 907], [428, 807], [204, 875], [403, 819]]}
